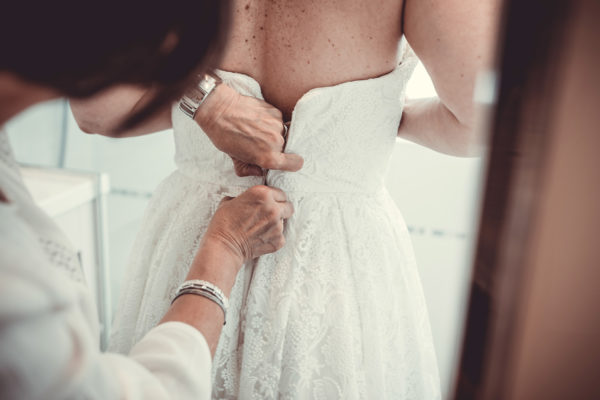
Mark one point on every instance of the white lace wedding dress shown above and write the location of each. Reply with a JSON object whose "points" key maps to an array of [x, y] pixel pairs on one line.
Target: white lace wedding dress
{"points": [[338, 313]]}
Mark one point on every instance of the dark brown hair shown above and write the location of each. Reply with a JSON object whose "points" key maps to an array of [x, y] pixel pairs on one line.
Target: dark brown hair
{"points": [[82, 47]]}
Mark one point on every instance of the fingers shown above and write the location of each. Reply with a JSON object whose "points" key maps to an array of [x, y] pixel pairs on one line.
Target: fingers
{"points": [[278, 194], [274, 112], [287, 210], [245, 169], [256, 218], [288, 162], [272, 240], [248, 170], [278, 161]]}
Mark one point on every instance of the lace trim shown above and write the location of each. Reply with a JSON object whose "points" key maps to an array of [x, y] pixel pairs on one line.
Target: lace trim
{"points": [[63, 258]]}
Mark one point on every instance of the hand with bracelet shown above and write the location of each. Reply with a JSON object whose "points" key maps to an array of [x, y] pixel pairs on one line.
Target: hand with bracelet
{"points": [[249, 130], [242, 229]]}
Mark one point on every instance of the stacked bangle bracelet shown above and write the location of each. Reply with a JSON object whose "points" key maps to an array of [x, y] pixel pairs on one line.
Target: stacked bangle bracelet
{"points": [[204, 289]]}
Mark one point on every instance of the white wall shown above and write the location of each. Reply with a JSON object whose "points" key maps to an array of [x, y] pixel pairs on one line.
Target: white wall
{"points": [[135, 166], [437, 195], [35, 134]]}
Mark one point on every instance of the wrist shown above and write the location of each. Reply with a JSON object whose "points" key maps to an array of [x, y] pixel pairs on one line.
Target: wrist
{"points": [[215, 106], [217, 262]]}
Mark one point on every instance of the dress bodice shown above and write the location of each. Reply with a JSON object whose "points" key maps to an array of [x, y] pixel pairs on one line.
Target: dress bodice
{"points": [[338, 312], [345, 133]]}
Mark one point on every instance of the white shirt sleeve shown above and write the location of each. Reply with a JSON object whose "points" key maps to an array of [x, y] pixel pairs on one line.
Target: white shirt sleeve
{"points": [[49, 349], [172, 361]]}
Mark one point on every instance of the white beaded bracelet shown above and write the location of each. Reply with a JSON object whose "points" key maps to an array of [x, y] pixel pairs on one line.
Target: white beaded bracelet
{"points": [[205, 289]]}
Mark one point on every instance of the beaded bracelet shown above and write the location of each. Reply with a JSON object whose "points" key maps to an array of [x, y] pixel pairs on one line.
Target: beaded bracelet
{"points": [[205, 289]]}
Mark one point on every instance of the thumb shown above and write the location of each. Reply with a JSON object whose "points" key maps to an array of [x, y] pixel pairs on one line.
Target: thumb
{"points": [[290, 162]]}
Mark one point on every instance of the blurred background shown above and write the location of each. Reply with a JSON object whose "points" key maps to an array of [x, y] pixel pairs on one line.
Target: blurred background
{"points": [[437, 194]]}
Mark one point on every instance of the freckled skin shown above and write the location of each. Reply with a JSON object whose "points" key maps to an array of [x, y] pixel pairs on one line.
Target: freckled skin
{"points": [[292, 46], [305, 44]]}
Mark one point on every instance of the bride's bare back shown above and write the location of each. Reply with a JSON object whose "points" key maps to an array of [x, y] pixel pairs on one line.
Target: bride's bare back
{"points": [[292, 46]]}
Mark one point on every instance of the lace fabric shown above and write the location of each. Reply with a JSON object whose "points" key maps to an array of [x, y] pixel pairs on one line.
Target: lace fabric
{"points": [[339, 311]]}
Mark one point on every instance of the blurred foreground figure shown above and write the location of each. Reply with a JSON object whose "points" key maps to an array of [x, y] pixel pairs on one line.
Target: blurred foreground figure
{"points": [[49, 334]]}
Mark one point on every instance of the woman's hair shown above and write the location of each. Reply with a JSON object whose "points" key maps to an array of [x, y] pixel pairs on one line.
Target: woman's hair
{"points": [[81, 47]]}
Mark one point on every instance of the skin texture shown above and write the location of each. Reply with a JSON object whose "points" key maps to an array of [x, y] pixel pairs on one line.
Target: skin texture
{"points": [[292, 46], [249, 130], [241, 229], [455, 40]]}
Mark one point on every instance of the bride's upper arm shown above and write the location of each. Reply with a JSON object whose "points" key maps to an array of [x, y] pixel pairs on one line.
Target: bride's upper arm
{"points": [[454, 39]]}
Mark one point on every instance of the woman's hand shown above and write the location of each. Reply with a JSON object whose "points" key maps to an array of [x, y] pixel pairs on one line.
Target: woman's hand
{"points": [[242, 228], [249, 130], [251, 224]]}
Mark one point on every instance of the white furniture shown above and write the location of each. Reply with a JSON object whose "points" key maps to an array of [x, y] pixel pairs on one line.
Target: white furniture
{"points": [[77, 202]]}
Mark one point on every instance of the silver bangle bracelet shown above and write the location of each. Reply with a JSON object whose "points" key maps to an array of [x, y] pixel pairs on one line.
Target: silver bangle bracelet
{"points": [[205, 289]]}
